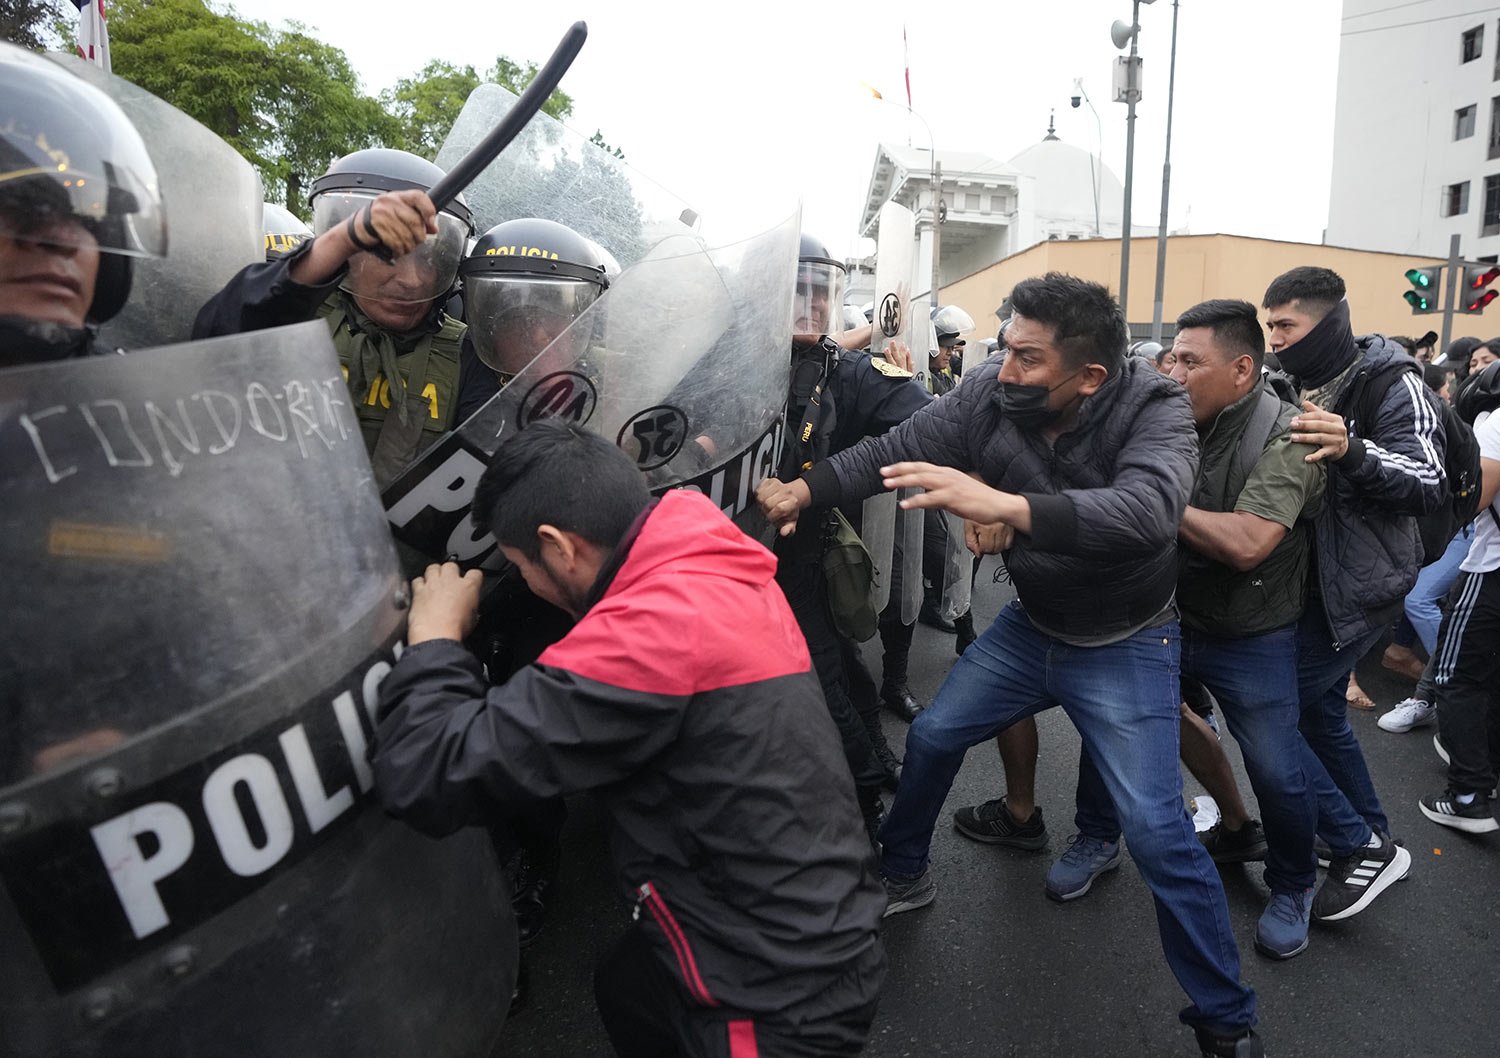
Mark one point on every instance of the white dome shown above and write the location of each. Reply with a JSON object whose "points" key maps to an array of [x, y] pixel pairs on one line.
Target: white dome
{"points": [[1064, 189]]}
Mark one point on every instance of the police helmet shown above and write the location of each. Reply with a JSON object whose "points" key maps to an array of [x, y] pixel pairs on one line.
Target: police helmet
{"points": [[284, 230], [949, 322], [1478, 393], [355, 180], [525, 282], [75, 172], [820, 288], [1147, 350]]}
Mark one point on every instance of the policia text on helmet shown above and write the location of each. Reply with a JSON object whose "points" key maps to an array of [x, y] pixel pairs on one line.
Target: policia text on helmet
{"points": [[525, 282], [78, 199]]}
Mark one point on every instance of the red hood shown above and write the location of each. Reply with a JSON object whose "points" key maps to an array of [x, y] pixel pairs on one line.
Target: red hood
{"points": [[694, 607]]}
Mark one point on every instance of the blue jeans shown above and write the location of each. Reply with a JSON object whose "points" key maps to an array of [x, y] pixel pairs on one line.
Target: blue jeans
{"points": [[1123, 698], [1348, 807], [1255, 682], [1432, 587]]}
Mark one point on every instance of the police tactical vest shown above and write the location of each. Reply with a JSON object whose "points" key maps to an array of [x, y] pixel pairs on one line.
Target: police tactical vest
{"points": [[429, 367]]}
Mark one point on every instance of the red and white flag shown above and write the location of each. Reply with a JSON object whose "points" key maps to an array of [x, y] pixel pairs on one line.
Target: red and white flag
{"points": [[906, 62], [93, 32]]}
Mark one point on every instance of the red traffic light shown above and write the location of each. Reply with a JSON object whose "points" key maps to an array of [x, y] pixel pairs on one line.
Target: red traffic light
{"points": [[1479, 280], [1478, 304]]}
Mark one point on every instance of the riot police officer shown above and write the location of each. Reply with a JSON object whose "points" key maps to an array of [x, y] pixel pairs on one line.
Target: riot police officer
{"points": [[401, 352], [79, 198], [283, 229], [525, 282], [845, 396]]}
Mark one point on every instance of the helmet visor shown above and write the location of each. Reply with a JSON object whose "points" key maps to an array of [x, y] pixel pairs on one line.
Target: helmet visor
{"points": [[818, 295], [512, 318], [422, 275], [950, 321]]}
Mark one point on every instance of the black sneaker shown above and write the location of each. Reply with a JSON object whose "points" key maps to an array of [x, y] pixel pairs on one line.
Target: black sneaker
{"points": [[908, 895], [1244, 1044], [1476, 817], [963, 630], [993, 824], [1245, 845], [1355, 881]]}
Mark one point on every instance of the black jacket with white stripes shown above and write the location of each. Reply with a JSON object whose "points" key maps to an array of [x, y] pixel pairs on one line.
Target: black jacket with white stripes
{"points": [[1367, 547]]}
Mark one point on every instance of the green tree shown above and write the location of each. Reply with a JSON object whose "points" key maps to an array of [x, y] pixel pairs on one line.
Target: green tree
{"points": [[287, 102], [34, 24], [424, 107]]}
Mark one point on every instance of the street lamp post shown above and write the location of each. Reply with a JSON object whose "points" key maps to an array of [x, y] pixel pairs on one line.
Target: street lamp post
{"points": [[1166, 189], [936, 175], [1081, 96], [1128, 91]]}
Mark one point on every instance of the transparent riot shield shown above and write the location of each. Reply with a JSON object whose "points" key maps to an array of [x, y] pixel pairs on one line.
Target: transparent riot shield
{"points": [[893, 266], [683, 363], [201, 600], [549, 171], [958, 569], [213, 201]]}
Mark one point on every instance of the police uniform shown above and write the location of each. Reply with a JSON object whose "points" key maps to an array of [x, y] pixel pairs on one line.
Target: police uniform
{"points": [[861, 396], [438, 374]]}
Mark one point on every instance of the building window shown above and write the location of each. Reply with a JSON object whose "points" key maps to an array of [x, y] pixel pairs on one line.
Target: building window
{"points": [[971, 201], [1463, 121], [1473, 44], [1495, 127], [1497, 59], [1456, 199], [1491, 224]]}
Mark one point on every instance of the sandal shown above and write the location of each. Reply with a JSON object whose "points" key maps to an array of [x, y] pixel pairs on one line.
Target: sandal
{"points": [[1356, 697]]}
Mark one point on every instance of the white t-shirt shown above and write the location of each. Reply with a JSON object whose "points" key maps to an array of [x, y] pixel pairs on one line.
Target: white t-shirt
{"points": [[1484, 552]]}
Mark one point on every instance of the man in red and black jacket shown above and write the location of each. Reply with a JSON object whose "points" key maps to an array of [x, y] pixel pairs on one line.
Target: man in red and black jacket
{"points": [[685, 696]]}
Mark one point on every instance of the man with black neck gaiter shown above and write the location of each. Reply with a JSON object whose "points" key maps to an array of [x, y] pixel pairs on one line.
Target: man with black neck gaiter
{"points": [[1379, 433]]}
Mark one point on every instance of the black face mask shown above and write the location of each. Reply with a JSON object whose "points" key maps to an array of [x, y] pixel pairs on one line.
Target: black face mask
{"points": [[1026, 405], [1323, 351]]}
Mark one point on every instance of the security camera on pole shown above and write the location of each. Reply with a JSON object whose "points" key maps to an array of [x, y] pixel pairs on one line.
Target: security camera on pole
{"points": [[1128, 91]]}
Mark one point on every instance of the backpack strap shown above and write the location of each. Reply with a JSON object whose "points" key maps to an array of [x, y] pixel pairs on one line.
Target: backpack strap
{"points": [[1257, 433]]}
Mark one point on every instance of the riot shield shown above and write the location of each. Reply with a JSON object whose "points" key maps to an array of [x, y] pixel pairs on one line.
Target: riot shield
{"points": [[893, 265], [551, 172], [958, 569], [202, 599], [682, 362], [213, 203]]}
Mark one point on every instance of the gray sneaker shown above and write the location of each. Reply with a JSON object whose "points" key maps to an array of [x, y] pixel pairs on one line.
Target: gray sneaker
{"points": [[908, 895], [1075, 870]]}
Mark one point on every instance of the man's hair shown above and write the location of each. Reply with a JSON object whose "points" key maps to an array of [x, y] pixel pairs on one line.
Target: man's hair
{"points": [[1235, 326], [1409, 344], [1088, 324], [1314, 290], [553, 473]]}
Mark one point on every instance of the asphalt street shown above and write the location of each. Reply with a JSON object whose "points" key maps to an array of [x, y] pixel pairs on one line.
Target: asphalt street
{"points": [[994, 968]]}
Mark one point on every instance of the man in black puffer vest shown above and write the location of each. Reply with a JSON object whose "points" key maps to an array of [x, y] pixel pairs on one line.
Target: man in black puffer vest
{"points": [[1382, 474], [1090, 458]]}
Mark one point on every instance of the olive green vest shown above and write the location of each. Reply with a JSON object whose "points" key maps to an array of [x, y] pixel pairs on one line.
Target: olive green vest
{"points": [[1215, 598], [428, 366]]}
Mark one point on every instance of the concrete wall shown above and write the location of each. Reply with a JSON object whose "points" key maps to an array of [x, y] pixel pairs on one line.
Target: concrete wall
{"points": [[1200, 267], [1400, 81]]}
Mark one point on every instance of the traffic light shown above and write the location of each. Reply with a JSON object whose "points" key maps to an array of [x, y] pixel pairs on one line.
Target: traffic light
{"points": [[1426, 283], [1476, 293]]}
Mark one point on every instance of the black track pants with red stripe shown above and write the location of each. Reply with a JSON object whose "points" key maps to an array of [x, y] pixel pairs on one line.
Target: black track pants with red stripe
{"points": [[648, 1014]]}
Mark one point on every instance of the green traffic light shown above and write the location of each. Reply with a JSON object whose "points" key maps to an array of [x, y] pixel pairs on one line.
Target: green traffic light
{"points": [[1417, 301], [1418, 277]]}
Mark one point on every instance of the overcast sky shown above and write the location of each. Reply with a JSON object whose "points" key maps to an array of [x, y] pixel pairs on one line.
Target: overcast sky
{"points": [[733, 107]]}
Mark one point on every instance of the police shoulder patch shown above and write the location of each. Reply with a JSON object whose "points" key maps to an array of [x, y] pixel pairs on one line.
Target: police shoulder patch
{"points": [[885, 367]]}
